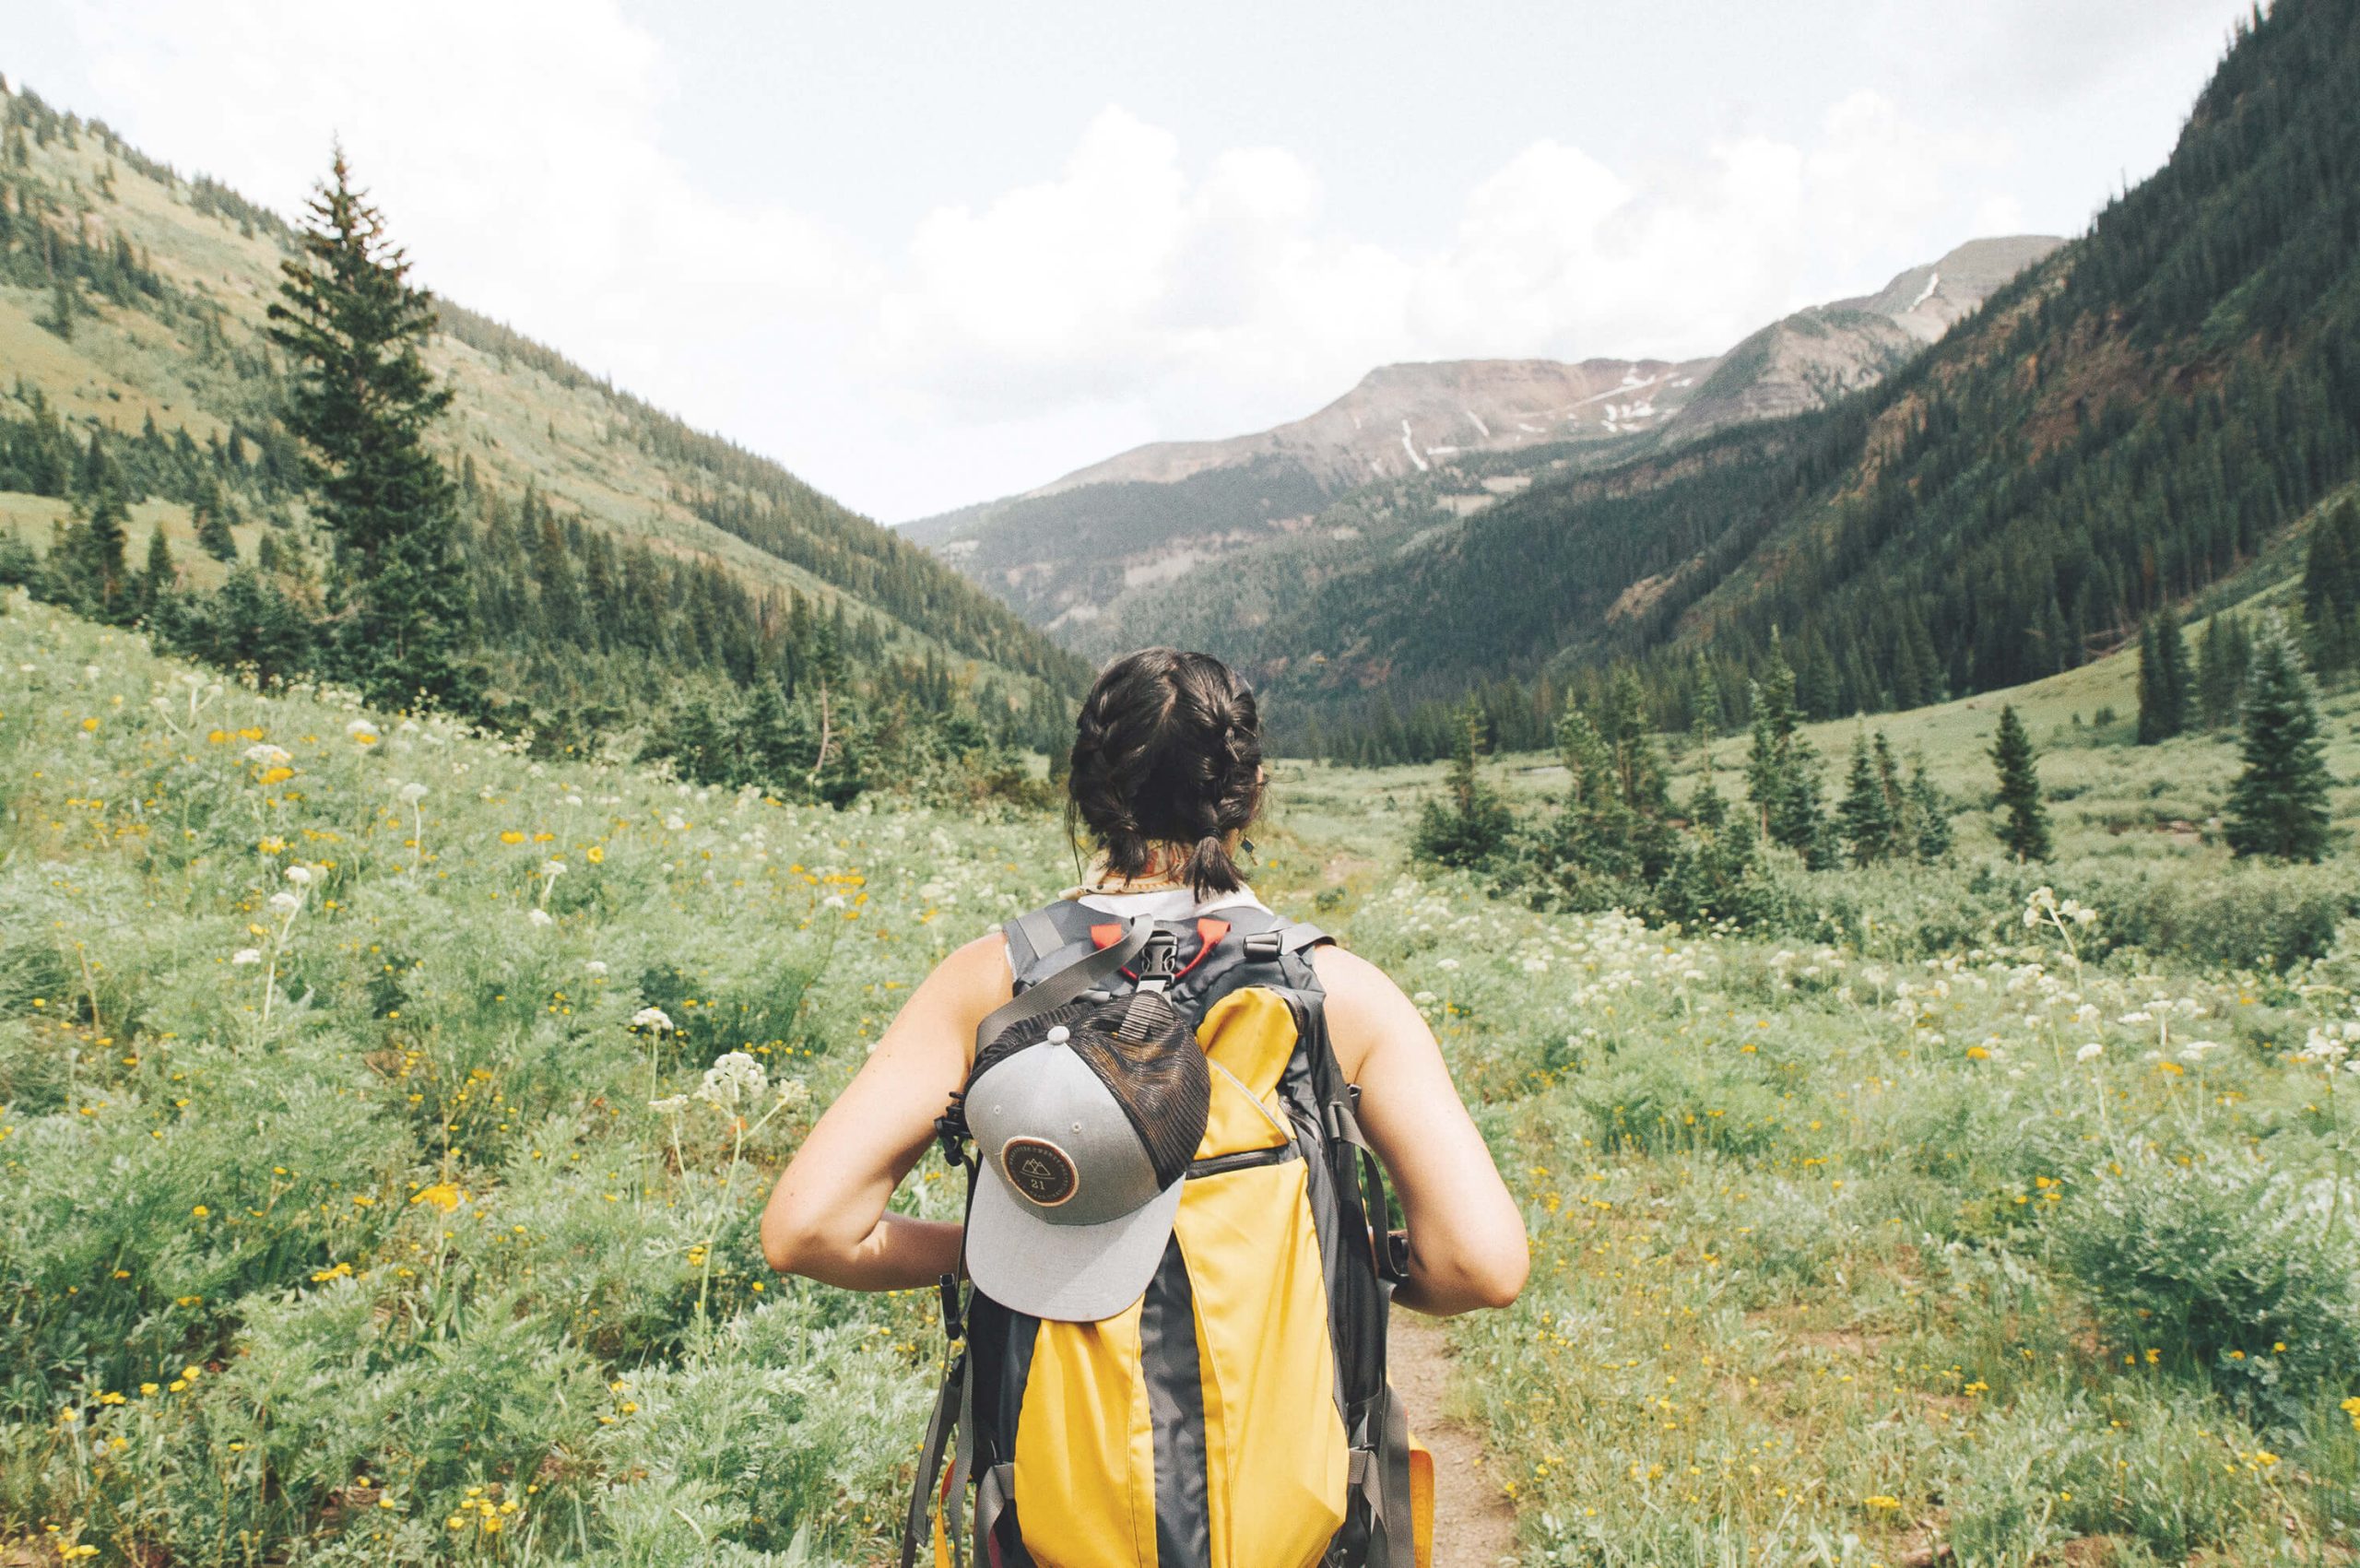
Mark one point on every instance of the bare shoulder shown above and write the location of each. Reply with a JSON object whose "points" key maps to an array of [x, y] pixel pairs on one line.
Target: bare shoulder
{"points": [[1365, 1009], [976, 970], [1347, 976], [1353, 981]]}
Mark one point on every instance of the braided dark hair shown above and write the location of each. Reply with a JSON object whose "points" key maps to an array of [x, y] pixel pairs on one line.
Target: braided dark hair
{"points": [[1168, 748]]}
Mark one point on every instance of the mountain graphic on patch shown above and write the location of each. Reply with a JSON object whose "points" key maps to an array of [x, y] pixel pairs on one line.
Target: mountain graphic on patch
{"points": [[1040, 1170]]}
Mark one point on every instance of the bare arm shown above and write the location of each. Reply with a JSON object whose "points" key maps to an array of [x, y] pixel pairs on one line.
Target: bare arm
{"points": [[827, 1218], [1466, 1239]]}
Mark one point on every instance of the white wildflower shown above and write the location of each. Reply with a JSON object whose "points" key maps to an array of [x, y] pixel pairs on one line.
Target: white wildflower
{"points": [[2324, 1046], [299, 874], [734, 1077], [595, 967], [671, 1105], [246, 955], [540, 917], [2089, 1053], [412, 794], [285, 904], [655, 1018], [268, 756]]}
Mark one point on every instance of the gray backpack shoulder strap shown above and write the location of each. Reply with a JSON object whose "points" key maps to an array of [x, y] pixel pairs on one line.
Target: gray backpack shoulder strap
{"points": [[1031, 937], [1054, 990]]}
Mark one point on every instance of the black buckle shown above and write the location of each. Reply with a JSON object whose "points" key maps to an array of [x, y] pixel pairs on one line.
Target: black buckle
{"points": [[1264, 946], [1160, 958], [954, 1320], [951, 1127]]}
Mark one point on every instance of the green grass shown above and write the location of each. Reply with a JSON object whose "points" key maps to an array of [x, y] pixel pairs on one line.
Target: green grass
{"points": [[393, 1187], [374, 1248]]}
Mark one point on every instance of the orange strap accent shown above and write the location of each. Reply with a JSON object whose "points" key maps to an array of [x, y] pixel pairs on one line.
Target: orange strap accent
{"points": [[1211, 929]]}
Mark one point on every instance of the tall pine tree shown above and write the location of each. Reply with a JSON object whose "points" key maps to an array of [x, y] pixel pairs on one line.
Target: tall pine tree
{"points": [[2278, 806], [363, 400], [90, 564], [1782, 768], [2163, 680], [2332, 588], [2026, 831], [2223, 654], [1870, 814], [211, 515], [157, 580], [1470, 823], [1929, 815]]}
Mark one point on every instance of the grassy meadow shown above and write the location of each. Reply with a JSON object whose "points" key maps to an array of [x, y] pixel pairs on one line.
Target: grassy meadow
{"points": [[386, 1116]]}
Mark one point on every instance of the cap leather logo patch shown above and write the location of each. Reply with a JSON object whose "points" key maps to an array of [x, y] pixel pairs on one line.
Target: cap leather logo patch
{"points": [[1040, 1170]]}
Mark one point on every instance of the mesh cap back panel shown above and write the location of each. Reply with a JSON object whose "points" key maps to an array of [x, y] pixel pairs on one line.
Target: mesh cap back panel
{"points": [[1161, 1082]]}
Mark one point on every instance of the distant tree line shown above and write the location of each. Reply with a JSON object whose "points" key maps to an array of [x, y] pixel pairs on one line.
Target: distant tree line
{"points": [[1617, 840]]}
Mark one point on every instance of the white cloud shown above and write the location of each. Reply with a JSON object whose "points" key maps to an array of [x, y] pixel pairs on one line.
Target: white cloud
{"points": [[1139, 289], [515, 147], [1222, 302]]}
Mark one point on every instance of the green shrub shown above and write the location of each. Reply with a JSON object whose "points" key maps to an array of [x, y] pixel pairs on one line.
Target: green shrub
{"points": [[2156, 1471], [2227, 1271]]}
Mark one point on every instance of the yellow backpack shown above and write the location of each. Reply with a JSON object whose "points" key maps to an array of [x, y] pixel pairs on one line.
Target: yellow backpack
{"points": [[1236, 1415]]}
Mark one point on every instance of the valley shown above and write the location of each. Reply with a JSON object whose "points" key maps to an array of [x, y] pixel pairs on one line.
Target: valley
{"points": [[1866, 816], [1132, 547]]}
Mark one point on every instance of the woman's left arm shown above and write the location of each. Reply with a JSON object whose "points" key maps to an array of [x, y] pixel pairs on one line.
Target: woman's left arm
{"points": [[827, 1219]]}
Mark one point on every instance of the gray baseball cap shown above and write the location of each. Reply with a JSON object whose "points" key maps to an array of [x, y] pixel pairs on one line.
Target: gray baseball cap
{"points": [[1084, 1139]]}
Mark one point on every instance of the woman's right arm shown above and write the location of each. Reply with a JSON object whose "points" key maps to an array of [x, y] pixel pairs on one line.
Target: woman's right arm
{"points": [[1467, 1240], [827, 1218]]}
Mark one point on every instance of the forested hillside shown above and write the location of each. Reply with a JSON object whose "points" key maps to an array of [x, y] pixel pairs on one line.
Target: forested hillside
{"points": [[2135, 418], [627, 577], [1185, 542]]}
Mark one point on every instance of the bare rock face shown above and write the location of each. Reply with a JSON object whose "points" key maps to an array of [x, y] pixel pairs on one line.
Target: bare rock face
{"points": [[1078, 555], [1926, 300], [1401, 419], [1817, 355]]}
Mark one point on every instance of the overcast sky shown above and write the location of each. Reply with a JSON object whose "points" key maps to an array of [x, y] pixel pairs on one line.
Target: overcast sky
{"points": [[927, 252]]}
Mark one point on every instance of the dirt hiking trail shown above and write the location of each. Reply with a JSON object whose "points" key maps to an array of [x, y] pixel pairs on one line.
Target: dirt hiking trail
{"points": [[1474, 1526]]}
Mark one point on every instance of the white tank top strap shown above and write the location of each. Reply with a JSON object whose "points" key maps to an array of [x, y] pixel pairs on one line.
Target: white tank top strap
{"points": [[1166, 904]]}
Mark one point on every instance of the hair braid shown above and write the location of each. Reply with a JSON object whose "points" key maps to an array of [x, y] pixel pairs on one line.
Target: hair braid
{"points": [[1167, 748]]}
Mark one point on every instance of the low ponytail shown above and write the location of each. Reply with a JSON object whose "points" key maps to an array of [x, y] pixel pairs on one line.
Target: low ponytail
{"points": [[1209, 868]]}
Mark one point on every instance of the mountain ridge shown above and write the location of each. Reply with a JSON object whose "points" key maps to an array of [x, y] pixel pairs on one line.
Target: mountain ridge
{"points": [[1453, 436]]}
